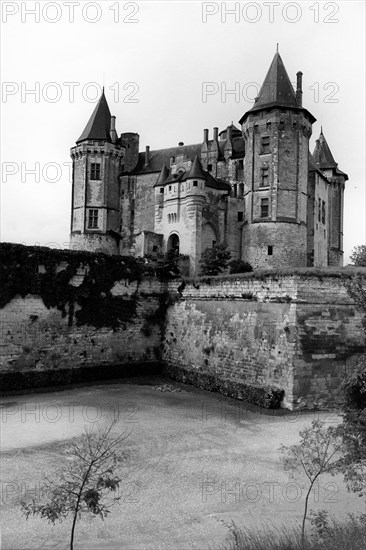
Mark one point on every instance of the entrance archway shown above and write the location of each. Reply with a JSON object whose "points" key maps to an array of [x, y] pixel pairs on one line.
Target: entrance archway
{"points": [[173, 243]]}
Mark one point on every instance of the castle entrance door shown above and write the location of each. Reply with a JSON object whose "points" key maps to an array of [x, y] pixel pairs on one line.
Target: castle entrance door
{"points": [[173, 243]]}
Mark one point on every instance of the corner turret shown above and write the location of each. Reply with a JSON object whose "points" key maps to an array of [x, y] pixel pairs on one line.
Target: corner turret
{"points": [[97, 162], [276, 132]]}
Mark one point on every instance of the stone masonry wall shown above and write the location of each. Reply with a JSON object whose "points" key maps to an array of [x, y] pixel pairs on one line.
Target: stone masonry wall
{"points": [[84, 328], [74, 316], [299, 333]]}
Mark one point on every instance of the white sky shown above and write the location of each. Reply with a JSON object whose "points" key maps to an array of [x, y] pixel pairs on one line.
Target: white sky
{"points": [[168, 54]]}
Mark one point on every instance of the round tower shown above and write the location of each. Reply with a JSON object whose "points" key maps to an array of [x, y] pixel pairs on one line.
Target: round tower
{"points": [[276, 132], [97, 161]]}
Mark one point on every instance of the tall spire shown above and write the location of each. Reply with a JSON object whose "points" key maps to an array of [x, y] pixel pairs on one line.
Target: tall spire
{"points": [[99, 124], [322, 155], [277, 91], [276, 88]]}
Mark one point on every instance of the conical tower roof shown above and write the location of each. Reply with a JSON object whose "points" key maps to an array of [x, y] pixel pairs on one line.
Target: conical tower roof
{"points": [[196, 170], [164, 173], [277, 91], [322, 155], [99, 124], [276, 88]]}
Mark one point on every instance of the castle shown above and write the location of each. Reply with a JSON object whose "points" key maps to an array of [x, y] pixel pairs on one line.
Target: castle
{"points": [[257, 188]]}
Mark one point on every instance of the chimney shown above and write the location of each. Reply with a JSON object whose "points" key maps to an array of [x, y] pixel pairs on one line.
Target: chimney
{"points": [[205, 135], [215, 133], [229, 133], [299, 88], [147, 155], [113, 133]]}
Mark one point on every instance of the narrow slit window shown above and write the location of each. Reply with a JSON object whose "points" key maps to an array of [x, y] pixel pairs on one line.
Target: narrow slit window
{"points": [[265, 145], [264, 208], [264, 182]]}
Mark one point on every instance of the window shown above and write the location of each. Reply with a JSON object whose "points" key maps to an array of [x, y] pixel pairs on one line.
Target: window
{"points": [[93, 219], [240, 216], [240, 170], [195, 183], [95, 171], [264, 208], [170, 187], [319, 209], [270, 250], [209, 167], [323, 212], [265, 142], [161, 189], [264, 182]]}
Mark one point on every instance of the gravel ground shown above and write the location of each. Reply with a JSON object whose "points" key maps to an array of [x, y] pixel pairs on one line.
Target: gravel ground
{"points": [[197, 460]]}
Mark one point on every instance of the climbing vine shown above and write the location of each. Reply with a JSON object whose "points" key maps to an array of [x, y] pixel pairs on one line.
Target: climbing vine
{"points": [[48, 273]]}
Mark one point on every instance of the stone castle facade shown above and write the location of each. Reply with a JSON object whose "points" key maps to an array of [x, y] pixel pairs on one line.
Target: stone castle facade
{"points": [[258, 188]]}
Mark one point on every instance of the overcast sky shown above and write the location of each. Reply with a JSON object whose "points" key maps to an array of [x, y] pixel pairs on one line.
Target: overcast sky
{"points": [[167, 69]]}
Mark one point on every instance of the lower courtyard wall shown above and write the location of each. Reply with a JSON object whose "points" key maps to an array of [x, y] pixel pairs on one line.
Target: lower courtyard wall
{"points": [[268, 338], [297, 333]]}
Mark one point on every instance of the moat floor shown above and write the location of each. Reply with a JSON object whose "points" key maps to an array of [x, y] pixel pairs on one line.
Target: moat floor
{"points": [[197, 460]]}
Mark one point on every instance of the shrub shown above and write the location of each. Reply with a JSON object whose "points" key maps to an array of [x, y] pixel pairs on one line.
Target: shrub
{"points": [[239, 266], [349, 534], [215, 260], [167, 266], [358, 256]]}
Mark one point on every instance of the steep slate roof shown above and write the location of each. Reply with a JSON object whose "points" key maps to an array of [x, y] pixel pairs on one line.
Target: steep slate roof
{"points": [[235, 132], [322, 153], [164, 173], [323, 159], [196, 170], [276, 90], [162, 156], [99, 124]]}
